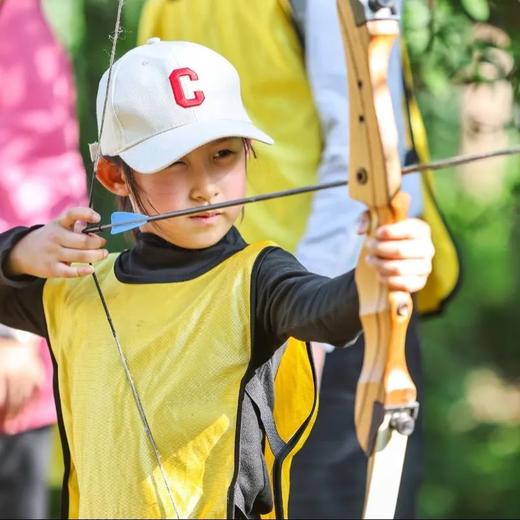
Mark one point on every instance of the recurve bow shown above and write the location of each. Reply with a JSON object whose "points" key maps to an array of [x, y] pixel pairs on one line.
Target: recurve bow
{"points": [[386, 406]]}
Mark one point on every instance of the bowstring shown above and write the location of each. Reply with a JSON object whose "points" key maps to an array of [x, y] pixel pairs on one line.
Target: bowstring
{"points": [[122, 356]]}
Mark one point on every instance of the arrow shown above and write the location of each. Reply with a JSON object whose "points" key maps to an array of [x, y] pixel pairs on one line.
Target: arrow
{"points": [[121, 221]]}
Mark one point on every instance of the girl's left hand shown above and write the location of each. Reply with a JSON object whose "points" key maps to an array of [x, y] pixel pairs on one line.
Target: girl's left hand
{"points": [[402, 254]]}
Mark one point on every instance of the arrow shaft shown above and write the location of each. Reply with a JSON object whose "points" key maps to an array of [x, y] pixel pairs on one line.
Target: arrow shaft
{"points": [[434, 165], [222, 205], [458, 160]]}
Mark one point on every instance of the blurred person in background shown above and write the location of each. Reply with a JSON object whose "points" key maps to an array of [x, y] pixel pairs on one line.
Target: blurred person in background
{"points": [[41, 173], [290, 57]]}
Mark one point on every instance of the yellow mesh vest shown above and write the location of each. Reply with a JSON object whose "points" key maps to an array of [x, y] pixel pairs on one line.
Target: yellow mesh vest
{"points": [[293, 373], [276, 93], [188, 346]]}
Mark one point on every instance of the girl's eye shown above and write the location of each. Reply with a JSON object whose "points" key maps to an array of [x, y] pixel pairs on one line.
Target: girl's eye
{"points": [[222, 154], [176, 163]]}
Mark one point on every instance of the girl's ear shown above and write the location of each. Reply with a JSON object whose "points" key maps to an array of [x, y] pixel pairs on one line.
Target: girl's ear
{"points": [[111, 176]]}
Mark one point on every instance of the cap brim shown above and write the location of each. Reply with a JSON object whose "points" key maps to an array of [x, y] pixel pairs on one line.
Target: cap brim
{"points": [[161, 150]]}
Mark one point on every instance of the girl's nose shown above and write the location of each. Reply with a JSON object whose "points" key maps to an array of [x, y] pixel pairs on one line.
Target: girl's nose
{"points": [[204, 188]]}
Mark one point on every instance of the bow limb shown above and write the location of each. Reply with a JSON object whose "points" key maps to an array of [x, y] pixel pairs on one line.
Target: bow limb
{"points": [[385, 407]]}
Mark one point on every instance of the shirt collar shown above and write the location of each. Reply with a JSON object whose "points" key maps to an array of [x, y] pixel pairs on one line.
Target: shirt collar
{"points": [[155, 260]]}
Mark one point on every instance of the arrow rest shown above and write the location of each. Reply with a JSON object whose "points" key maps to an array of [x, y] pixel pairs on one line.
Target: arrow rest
{"points": [[366, 10], [403, 418], [376, 5]]}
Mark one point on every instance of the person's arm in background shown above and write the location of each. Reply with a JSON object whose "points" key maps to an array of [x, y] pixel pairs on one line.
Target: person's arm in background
{"points": [[22, 373], [331, 243]]}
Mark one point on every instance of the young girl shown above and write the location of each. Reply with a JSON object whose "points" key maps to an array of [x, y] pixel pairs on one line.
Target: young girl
{"points": [[196, 400]]}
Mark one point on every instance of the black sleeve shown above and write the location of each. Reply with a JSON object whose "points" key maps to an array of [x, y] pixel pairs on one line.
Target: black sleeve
{"points": [[21, 304], [289, 301]]}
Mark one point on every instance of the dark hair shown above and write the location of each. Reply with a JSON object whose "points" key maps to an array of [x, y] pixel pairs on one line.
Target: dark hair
{"points": [[124, 203]]}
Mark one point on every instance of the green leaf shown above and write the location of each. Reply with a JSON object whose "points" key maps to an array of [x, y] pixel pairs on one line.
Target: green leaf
{"points": [[67, 20], [416, 14], [477, 9]]}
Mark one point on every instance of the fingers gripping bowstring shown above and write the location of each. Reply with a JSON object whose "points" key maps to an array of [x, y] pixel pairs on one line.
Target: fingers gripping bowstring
{"points": [[95, 155]]}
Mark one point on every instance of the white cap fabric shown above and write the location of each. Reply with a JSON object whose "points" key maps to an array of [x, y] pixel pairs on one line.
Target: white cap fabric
{"points": [[167, 98]]}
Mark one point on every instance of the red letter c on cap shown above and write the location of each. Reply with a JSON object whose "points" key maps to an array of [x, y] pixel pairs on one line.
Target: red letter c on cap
{"points": [[178, 91]]}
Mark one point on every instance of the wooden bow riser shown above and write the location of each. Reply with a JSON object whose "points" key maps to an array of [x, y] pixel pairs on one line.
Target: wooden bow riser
{"points": [[375, 180]]}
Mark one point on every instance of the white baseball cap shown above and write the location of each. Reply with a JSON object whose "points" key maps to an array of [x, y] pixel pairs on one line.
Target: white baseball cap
{"points": [[167, 98]]}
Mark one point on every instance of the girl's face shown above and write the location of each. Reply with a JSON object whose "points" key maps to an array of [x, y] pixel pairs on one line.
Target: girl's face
{"points": [[215, 172]]}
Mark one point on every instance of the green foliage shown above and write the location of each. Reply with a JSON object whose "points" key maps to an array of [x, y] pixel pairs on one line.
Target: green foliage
{"points": [[438, 41], [477, 9], [443, 50], [471, 362], [66, 17], [471, 365]]}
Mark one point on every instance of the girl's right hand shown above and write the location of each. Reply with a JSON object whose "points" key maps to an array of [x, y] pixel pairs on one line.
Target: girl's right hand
{"points": [[49, 251]]}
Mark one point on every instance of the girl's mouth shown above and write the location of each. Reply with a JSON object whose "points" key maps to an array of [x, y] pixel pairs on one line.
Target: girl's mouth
{"points": [[205, 218]]}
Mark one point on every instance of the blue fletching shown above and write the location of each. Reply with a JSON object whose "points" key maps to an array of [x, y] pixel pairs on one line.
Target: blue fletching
{"points": [[122, 221]]}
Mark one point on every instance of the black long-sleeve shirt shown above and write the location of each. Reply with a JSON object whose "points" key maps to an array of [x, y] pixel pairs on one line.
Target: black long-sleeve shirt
{"points": [[287, 299]]}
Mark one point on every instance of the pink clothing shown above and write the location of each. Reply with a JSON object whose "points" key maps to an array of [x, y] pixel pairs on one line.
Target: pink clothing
{"points": [[41, 171]]}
